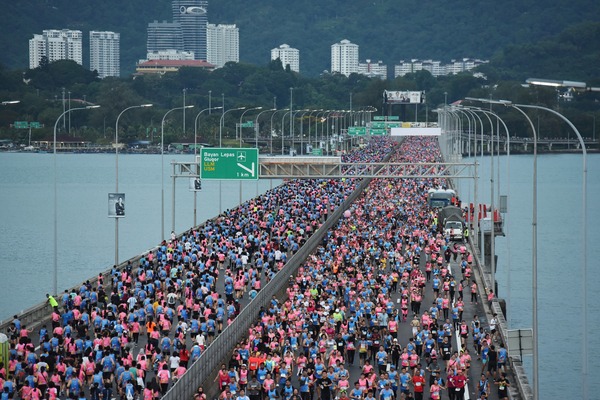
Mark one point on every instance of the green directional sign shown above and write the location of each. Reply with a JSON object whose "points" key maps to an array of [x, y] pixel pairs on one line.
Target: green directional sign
{"points": [[317, 152], [378, 118], [27, 125], [393, 118], [378, 131], [357, 130], [247, 124], [21, 124], [377, 125], [233, 164], [394, 125]]}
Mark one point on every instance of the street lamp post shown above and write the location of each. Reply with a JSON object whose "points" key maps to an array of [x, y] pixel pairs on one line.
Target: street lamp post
{"points": [[318, 138], [476, 226], [69, 115], [455, 126], [7, 102], [209, 109], [533, 245], [505, 224], [444, 112], [584, 349], [256, 128], [536, 357], [325, 131], [221, 123], [293, 117], [162, 169], [221, 145], [117, 174], [302, 149], [242, 116], [468, 133], [283, 131], [518, 107], [469, 214], [271, 133], [492, 236], [309, 124], [581, 86], [184, 93], [335, 129], [55, 275], [256, 131]]}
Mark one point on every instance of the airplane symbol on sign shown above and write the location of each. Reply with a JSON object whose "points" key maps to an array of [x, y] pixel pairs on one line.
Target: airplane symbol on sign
{"points": [[241, 156]]}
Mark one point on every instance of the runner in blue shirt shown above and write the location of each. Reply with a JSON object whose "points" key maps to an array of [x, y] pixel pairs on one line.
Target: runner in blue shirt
{"points": [[386, 393], [405, 379]]}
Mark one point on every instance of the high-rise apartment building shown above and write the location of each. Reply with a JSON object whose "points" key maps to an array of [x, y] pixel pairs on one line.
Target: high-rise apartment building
{"points": [[104, 53], [55, 45], [164, 36], [344, 57], [288, 56], [223, 44], [191, 15]]}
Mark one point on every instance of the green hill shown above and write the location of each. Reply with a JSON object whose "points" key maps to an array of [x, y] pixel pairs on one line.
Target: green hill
{"points": [[387, 30]]}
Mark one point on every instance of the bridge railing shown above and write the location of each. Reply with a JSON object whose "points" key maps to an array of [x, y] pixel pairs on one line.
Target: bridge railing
{"points": [[35, 317], [219, 351]]}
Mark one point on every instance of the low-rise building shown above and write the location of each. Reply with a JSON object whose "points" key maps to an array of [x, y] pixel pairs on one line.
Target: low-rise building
{"points": [[164, 66], [373, 69]]}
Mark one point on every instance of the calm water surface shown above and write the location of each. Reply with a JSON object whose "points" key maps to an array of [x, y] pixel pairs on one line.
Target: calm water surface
{"points": [[560, 284], [86, 236]]}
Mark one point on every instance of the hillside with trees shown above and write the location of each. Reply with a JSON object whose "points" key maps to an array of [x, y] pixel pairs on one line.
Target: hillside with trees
{"points": [[520, 43], [387, 30], [247, 85]]}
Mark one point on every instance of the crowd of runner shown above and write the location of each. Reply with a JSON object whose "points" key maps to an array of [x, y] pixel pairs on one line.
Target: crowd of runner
{"points": [[344, 308], [91, 348]]}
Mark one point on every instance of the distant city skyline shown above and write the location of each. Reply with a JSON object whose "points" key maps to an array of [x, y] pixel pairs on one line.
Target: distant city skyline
{"points": [[190, 36], [165, 42]]}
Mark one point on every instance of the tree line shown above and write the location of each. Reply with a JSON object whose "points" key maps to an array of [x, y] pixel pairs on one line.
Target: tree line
{"points": [[40, 92]]}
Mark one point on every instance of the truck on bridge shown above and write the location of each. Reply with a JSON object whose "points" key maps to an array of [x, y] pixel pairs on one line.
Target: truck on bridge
{"points": [[451, 222], [441, 197]]}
